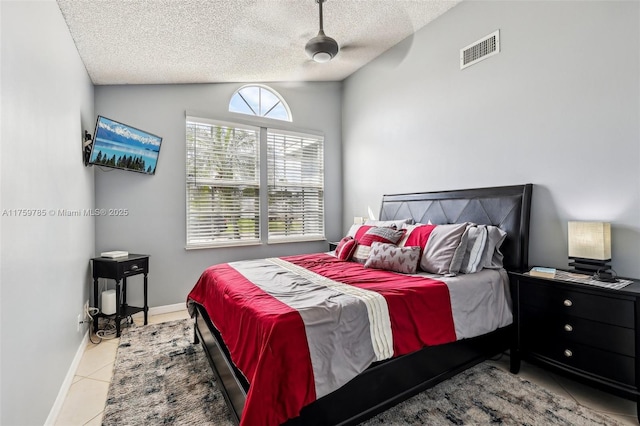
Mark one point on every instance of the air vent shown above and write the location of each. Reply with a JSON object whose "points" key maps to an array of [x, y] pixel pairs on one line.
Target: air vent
{"points": [[479, 50]]}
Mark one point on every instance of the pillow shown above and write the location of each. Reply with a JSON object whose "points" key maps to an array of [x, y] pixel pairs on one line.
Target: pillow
{"points": [[483, 249], [345, 248], [416, 235], [397, 224], [352, 230], [367, 235], [460, 251], [392, 258], [474, 253], [493, 257], [440, 247]]}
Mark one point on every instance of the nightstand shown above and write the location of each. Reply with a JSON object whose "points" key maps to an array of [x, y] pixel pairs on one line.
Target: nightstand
{"points": [[119, 269], [589, 333]]}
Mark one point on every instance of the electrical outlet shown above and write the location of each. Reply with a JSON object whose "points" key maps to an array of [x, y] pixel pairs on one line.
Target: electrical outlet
{"points": [[79, 322]]}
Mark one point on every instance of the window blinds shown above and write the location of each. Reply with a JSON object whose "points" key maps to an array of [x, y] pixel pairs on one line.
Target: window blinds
{"points": [[295, 170], [223, 183], [224, 190]]}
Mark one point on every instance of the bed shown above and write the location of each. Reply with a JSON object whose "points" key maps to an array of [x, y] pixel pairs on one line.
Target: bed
{"points": [[395, 355]]}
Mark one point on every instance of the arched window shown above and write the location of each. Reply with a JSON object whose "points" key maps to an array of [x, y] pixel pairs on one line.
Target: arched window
{"points": [[261, 101]]}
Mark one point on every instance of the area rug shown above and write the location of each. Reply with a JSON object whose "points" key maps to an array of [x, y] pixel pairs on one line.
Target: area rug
{"points": [[162, 378]]}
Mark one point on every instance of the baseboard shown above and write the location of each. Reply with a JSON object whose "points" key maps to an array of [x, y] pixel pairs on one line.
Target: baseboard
{"points": [[166, 309], [68, 380]]}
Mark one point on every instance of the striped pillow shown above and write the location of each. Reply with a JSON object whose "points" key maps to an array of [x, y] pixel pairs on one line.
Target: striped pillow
{"points": [[345, 248], [367, 235]]}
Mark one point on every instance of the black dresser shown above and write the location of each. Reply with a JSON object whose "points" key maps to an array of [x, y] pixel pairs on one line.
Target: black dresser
{"points": [[587, 332]]}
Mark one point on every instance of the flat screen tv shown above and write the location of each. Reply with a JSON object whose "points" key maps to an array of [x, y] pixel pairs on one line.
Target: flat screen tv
{"points": [[124, 147]]}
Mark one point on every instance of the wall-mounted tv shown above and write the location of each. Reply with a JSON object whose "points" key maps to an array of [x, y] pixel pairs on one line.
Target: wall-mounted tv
{"points": [[124, 147]]}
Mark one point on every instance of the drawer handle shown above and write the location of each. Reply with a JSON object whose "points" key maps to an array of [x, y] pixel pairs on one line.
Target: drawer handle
{"points": [[134, 267], [568, 353], [568, 327], [567, 302]]}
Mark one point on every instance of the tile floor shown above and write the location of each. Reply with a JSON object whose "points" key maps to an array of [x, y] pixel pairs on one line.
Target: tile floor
{"points": [[85, 401]]}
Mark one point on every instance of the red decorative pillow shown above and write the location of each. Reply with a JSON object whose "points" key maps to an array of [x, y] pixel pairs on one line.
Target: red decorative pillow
{"points": [[365, 237], [345, 248]]}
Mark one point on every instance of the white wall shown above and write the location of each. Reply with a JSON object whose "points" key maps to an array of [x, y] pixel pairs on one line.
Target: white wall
{"points": [[156, 221], [558, 107], [47, 100]]}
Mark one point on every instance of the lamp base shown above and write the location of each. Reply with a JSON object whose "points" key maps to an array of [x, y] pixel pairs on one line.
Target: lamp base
{"points": [[607, 276], [589, 266]]}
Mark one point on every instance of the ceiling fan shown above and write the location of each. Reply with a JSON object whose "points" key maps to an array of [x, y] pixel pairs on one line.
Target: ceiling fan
{"points": [[321, 48]]}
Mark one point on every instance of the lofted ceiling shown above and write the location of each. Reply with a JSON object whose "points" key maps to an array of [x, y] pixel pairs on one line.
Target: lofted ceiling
{"points": [[210, 41]]}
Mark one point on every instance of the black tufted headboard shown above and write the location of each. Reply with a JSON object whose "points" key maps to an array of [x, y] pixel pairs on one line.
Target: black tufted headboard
{"points": [[507, 207]]}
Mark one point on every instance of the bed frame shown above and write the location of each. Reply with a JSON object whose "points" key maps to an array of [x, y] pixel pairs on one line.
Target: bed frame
{"points": [[389, 382]]}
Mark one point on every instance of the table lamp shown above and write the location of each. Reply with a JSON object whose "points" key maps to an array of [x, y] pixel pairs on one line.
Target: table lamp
{"points": [[590, 248]]}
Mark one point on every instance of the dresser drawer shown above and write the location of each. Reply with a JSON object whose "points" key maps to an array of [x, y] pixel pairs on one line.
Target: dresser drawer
{"points": [[538, 325], [608, 365], [557, 300]]}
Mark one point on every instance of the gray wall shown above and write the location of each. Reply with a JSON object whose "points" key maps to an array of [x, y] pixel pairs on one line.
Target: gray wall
{"points": [[47, 100], [558, 107], [156, 221]]}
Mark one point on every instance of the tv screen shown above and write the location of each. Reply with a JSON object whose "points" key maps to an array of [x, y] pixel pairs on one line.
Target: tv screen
{"points": [[124, 147]]}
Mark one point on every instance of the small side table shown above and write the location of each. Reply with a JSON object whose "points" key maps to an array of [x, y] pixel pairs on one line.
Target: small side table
{"points": [[119, 269]]}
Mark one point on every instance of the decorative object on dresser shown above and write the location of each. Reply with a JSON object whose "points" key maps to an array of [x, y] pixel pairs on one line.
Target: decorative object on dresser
{"points": [[539, 271], [114, 254], [119, 269], [590, 248], [590, 333]]}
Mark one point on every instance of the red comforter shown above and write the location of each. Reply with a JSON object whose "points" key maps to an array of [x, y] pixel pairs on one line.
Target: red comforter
{"points": [[267, 340]]}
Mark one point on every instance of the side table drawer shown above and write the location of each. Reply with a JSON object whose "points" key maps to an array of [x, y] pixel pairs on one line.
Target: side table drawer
{"points": [[594, 307], [132, 267], [539, 325], [594, 361]]}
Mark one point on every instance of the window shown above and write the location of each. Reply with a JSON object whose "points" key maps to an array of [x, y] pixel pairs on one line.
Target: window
{"points": [[224, 190], [223, 184], [295, 165], [259, 101]]}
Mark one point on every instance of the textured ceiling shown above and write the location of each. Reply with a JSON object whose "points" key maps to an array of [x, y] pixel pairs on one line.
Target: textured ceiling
{"points": [[206, 41]]}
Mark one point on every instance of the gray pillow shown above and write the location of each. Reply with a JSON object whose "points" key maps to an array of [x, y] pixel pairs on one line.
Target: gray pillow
{"points": [[493, 257], [474, 254], [461, 250], [441, 247]]}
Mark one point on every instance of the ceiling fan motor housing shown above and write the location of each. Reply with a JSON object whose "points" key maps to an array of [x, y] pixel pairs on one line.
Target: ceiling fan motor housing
{"points": [[321, 48]]}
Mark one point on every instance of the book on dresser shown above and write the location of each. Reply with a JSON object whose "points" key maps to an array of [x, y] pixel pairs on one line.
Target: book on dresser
{"points": [[542, 272]]}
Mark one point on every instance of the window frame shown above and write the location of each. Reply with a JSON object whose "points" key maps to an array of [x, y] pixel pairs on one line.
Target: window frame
{"points": [[264, 125], [261, 87]]}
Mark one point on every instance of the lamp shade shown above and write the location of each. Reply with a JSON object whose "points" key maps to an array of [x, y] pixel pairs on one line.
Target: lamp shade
{"points": [[590, 240]]}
